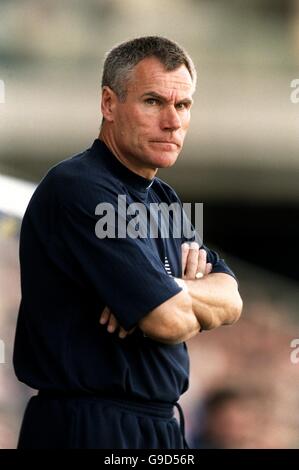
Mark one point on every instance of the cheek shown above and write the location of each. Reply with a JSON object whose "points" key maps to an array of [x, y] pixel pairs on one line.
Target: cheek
{"points": [[143, 126], [133, 121], [186, 121], [143, 120]]}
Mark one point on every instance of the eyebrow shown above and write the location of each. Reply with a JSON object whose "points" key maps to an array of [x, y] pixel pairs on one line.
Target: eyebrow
{"points": [[154, 94]]}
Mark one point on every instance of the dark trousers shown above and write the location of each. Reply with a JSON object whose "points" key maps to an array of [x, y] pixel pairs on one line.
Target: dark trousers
{"points": [[90, 422]]}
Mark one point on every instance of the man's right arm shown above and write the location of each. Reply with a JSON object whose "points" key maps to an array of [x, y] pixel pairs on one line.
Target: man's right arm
{"points": [[210, 302], [172, 322], [205, 303]]}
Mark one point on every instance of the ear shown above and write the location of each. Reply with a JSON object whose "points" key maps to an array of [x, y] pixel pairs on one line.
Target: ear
{"points": [[108, 102]]}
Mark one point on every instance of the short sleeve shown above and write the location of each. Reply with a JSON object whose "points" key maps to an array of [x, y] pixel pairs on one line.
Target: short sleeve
{"points": [[126, 273], [219, 265]]}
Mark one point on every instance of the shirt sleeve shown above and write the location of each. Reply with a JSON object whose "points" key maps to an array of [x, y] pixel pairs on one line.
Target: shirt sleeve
{"points": [[126, 273], [219, 264]]}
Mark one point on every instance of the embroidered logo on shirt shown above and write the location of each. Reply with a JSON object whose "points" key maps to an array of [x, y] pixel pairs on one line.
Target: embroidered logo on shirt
{"points": [[167, 266]]}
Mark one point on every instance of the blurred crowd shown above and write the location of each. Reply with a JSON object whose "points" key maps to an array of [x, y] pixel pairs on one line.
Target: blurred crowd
{"points": [[244, 386]]}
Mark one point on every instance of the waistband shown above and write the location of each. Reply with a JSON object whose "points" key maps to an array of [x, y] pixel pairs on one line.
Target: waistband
{"points": [[151, 408]]}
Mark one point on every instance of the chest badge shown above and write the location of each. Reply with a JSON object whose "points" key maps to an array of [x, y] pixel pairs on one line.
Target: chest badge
{"points": [[167, 266]]}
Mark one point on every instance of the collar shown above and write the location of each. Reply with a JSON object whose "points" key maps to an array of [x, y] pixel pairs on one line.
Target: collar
{"points": [[137, 182]]}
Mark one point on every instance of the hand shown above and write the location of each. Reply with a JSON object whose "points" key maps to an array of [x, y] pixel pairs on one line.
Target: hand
{"points": [[194, 262], [108, 318]]}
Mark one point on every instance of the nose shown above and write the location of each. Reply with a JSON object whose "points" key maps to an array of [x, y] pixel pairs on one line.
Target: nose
{"points": [[170, 119]]}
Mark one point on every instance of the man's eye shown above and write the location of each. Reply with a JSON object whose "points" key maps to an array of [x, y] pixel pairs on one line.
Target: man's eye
{"points": [[152, 101], [181, 106]]}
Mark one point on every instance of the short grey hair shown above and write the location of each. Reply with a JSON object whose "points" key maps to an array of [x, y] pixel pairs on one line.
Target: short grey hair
{"points": [[122, 59]]}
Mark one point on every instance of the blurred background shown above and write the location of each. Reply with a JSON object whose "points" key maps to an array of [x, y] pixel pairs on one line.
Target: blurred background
{"points": [[240, 159]]}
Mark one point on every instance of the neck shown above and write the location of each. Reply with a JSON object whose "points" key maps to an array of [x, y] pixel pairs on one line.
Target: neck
{"points": [[108, 139]]}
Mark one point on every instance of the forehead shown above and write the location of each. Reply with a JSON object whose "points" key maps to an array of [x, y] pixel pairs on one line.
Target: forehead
{"points": [[150, 75]]}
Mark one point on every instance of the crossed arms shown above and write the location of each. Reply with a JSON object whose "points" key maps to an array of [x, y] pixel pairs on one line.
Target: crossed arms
{"points": [[205, 303]]}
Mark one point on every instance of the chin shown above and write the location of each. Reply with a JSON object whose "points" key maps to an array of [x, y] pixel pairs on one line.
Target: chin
{"points": [[166, 159]]}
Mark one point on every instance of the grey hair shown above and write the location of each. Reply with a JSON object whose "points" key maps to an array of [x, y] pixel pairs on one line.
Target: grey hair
{"points": [[122, 59]]}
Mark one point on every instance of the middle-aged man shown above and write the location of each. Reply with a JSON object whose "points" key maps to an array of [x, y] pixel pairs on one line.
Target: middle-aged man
{"points": [[104, 314]]}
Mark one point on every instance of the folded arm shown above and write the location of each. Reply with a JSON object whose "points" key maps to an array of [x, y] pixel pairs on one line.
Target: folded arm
{"points": [[208, 300], [208, 303]]}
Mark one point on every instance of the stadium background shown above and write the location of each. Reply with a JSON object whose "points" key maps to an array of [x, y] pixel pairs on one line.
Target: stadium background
{"points": [[240, 159]]}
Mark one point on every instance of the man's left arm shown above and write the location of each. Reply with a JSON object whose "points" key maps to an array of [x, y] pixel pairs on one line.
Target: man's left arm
{"points": [[212, 286], [215, 300]]}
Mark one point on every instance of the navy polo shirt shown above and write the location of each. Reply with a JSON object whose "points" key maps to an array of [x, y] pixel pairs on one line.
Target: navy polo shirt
{"points": [[69, 274]]}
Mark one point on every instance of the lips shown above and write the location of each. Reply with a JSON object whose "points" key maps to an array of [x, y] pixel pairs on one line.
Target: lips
{"points": [[165, 142]]}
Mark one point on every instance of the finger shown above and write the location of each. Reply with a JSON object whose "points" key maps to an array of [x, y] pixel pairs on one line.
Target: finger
{"points": [[104, 316], [132, 330], [202, 262], [185, 251], [122, 333], [113, 324], [192, 261], [199, 275], [209, 268]]}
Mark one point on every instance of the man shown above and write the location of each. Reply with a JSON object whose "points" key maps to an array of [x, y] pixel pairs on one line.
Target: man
{"points": [[103, 320]]}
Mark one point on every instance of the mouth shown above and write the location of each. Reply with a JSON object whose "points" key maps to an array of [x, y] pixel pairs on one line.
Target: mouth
{"points": [[166, 142]]}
